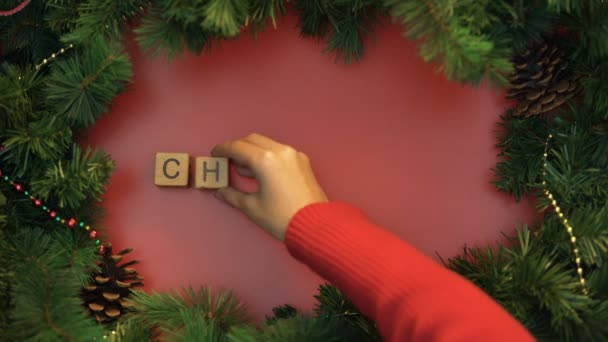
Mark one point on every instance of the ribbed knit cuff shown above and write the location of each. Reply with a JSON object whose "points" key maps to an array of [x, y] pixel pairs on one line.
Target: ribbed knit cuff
{"points": [[342, 245]]}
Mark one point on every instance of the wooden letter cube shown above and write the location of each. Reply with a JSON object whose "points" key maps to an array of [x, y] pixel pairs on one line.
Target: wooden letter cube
{"points": [[172, 169], [211, 173]]}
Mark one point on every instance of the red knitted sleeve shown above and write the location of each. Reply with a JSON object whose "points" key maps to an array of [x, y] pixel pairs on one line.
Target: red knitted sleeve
{"points": [[409, 295]]}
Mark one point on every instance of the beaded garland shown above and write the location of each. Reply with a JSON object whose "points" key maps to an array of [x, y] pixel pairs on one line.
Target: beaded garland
{"points": [[17, 9], [563, 219], [71, 222]]}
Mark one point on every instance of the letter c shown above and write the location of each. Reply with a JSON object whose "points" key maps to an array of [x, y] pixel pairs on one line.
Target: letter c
{"points": [[165, 168]]}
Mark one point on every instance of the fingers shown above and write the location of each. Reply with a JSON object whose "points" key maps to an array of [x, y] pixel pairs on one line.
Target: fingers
{"points": [[242, 152], [243, 171], [262, 141], [235, 198]]}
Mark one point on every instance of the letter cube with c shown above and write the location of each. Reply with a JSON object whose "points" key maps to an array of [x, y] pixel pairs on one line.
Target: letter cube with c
{"points": [[172, 169]]}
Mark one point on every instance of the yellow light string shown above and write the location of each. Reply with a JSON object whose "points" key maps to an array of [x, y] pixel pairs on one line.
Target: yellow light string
{"points": [[53, 56], [563, 219]]}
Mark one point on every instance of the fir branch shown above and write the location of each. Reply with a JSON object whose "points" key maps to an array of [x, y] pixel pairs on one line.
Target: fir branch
{"points": [[28, 35], [519, 23], [21, 97], [160, 33], [128, 331], [521, 142], [83, 86], [72, 182], [62, 15], [532, 283], [333, 303], [598, 281], [196, 328], [46, 139], [313, 17], [47, 306], [344, 22], [596, 87], [166, 310], [281, 312], [465, 56], [577, 171], [103, 17], [263, 10], [225, 17], [297, 328]]}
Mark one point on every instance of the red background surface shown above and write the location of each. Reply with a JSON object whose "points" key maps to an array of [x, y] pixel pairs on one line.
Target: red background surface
{"points": [[390, 135]]}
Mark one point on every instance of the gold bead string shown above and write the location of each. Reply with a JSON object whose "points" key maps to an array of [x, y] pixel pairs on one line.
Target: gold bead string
{"points": [[563, 219], [53, 56]]}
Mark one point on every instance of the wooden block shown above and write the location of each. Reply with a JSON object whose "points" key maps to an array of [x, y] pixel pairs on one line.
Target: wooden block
{"points": [[211, 173], [171, 169]]}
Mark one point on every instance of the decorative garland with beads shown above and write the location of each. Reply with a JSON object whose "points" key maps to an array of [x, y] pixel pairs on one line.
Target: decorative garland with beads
{"points": [[17, 9], [563, 218], [53, 56], [71, 223]]}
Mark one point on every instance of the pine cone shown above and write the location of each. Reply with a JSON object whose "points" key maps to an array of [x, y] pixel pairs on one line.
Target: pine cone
{"points": [[105, 296], [541, 81]]}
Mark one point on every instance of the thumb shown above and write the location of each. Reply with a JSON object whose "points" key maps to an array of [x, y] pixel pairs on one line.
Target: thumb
{"points": [[235, 198]]}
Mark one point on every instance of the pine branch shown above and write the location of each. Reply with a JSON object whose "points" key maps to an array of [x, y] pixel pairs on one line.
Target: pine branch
{"points": [[196, 328], [62, 15], [521, 142], [103, 17], [531, 282], [22, 95], [128, 331], [225, 17], [465, 56], [7, 271], [596, 88], [28, 35], [166, 310], [281, 312], [83, 86], [297, 328], [333, 303], [263, 10], [72, 182], [589, 31], [47, 307], [161, 33], [46, 139], [343, 22]]}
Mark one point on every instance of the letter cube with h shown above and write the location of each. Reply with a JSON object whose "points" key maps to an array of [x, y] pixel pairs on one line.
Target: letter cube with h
{"points": [[211, 173]]}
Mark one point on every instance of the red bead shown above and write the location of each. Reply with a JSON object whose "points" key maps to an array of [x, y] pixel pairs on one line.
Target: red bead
{"points": [[0, 173], [93, 234], [71, 222], [53, 214], [18, 187], [37, 202], [102, 249]]}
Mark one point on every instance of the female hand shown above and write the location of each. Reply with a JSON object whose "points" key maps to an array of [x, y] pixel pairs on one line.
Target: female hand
{"points": [[285, 177]]}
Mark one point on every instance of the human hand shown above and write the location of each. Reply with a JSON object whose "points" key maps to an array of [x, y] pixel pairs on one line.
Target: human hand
{"points": [[285, 177]]}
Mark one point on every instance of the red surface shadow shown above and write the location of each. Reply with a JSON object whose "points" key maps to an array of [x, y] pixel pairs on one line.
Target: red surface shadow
{"points": [[390, 135]]}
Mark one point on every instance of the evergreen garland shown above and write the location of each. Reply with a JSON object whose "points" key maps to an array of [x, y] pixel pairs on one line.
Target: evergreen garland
{"points": [[62, 65]]}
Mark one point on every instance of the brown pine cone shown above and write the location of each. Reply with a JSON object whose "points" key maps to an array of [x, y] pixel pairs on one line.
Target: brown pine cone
{"points": [[105, 296], [541, 81]]}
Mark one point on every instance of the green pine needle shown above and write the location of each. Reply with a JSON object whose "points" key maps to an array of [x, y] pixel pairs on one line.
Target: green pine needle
{"points": [[83, 86], [225, 17], [168, 310], [74, 181]]}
